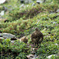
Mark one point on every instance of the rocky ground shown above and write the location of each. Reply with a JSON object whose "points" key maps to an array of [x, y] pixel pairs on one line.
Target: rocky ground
{"points": [[20, 19]]}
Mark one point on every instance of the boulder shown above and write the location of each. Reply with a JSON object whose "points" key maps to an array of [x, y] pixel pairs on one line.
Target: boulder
{"points": [[8, 35], [2, 1], [2, 13], [12, 41], [30, 56], [26, 1], [57, 10]]}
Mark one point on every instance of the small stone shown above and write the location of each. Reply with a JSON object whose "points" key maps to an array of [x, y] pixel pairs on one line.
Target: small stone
{"points": [[56, 44], [57, 10], [33, 4], [50, 56], [12, 41], [22, 5], [30, 56], [2, 13], [28, 1]]}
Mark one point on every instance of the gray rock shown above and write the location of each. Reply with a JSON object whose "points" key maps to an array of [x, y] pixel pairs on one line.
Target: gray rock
{"points": [[26, 1], [57, 10], [31, 56], [33, 4], [2, 13], [1, 35], [8, 35], [12, 41], [2, 1], [22, 5], [1, 38], [49, 57], [57, 14]]}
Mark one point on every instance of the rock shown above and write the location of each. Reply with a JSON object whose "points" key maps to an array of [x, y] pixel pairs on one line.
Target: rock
{"points": [[12, 41], [2, 1], [22, 5], [1, 35], [2, 13], [27, 5], [28, 1], [57, 15], [39, 1], [57, 10], [49, 57], [33, 4], [56, 44], [31, 56], [8, 35]]}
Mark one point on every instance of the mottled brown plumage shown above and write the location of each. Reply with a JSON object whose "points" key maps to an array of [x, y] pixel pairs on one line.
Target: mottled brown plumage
{"points": [[37, 36]]}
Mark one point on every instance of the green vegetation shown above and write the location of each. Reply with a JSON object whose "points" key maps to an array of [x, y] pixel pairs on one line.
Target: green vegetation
{"points": [[22, 21]]}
